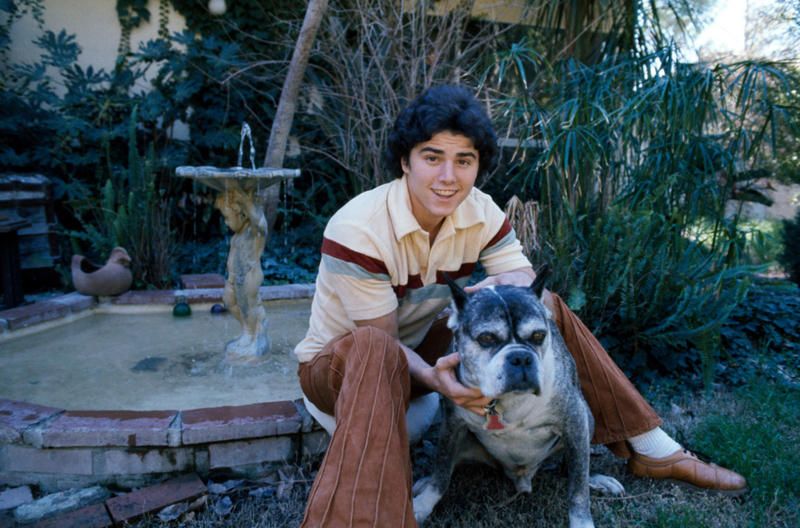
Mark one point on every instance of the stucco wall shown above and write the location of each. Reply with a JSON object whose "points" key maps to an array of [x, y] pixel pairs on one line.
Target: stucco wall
{"points": [[781, 208], [97, 31], [95, 26]]}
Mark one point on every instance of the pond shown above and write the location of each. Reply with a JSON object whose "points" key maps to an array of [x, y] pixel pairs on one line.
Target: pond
{"points": [[152, 361]]}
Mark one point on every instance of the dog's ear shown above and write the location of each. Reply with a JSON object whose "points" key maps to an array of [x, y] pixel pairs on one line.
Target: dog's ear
{"points": [[458, 293], [538, 284]]}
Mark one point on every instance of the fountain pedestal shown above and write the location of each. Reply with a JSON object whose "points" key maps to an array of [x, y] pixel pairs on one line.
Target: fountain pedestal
{"points": [[238, 201]]}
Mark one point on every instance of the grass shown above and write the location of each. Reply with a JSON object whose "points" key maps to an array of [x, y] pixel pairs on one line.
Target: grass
{"points": [[753, 429]]}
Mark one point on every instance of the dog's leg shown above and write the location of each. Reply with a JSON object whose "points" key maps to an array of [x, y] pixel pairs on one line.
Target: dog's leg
{"points": [[456, 444], [576, 455]]}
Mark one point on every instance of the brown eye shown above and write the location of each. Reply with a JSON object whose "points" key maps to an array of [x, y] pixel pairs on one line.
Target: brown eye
{"points": [[538, 337], [486, 339]]}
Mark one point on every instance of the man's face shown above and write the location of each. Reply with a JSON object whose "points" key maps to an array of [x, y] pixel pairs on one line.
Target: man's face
{"points": [[441, 173]]}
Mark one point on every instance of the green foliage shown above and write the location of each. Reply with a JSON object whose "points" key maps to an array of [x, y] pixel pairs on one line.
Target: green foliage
{"points": [[291, 257], [761, 338], [649, 293], [131, 212], [626, 158], [760, 441], [63, 121], [790, 256]]}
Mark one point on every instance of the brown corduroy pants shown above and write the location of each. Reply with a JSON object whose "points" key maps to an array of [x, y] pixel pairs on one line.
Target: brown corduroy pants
{"points": [[362, 379]]}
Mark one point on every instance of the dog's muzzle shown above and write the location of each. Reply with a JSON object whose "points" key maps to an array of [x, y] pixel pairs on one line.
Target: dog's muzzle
{"points": [[521, 370]]}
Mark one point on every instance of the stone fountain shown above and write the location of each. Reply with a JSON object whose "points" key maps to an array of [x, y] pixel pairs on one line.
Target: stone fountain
{"points": [[243, 212]]}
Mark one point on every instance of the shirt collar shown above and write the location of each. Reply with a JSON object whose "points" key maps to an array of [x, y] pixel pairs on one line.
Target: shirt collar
{"points": [[466, 215]]}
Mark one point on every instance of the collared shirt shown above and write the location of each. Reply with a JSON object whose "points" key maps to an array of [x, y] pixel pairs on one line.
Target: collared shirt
{"points": [[376, 259]]}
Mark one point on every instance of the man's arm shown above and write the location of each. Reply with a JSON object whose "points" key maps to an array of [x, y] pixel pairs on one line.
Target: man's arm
{"points": [[440, 377]]}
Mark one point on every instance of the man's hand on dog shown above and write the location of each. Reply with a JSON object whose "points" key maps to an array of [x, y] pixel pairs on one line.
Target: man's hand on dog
{"points": [[441, 377], [450, 388], [522, 277]]}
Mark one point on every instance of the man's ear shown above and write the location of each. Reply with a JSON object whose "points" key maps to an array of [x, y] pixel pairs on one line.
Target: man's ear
{"points": [[404, 165]]}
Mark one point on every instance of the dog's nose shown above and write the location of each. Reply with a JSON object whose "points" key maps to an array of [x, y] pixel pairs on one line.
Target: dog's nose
{"points": [[520, 359], [521, 372]]}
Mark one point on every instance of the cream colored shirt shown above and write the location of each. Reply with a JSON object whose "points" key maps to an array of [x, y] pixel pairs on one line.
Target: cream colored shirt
{"points": [[376, 258]]}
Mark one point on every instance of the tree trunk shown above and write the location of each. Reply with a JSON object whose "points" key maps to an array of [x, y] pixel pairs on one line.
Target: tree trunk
{"points": [[279, 135]]}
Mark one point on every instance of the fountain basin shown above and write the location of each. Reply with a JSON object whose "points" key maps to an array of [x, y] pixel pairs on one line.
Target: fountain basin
{"points": [[82, 438], [237, 177]]}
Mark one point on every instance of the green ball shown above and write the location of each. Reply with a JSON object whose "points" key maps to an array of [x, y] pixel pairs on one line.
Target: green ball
{"points": [[181, 310]]}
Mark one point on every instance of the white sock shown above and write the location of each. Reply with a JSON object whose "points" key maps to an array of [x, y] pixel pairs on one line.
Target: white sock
{"points": [[654, 444]]}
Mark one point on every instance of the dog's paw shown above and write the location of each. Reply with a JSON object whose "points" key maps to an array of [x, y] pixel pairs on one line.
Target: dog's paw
{"points": [[605, 484], [420, 485], [425, 498]]}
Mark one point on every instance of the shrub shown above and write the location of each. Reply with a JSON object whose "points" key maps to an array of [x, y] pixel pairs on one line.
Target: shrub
{"points": [[131, 211], [790, 256]]}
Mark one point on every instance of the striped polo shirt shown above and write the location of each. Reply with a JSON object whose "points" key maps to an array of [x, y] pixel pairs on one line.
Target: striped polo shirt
{"points": [[376, 258]]}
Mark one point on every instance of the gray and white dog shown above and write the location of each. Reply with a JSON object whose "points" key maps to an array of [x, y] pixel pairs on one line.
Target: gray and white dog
{"points": [[512, 351]]}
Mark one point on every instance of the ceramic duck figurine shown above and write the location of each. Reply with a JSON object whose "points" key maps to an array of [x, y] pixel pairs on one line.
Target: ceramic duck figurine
{"points": [[112, 279]]}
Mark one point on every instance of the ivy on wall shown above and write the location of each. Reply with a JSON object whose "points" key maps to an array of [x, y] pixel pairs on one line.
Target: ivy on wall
{"points": [[131, 14]]}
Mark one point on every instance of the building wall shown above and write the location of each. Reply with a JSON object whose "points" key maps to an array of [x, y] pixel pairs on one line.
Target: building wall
{"points": [[95, 26], [782, 207]]}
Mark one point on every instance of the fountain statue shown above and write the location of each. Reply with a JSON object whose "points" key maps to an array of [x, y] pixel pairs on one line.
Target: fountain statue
{"points": [[240, 206]]}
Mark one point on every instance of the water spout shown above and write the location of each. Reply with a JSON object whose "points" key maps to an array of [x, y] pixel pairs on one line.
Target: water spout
{"points": [[247, 134]]}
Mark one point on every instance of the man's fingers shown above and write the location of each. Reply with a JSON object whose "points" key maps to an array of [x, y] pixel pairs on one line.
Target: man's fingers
{"points": [[476, 405], [449, 361], [475, 287]]}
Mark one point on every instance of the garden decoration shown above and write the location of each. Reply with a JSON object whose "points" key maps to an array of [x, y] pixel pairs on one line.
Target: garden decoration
{"points": [[239, 203], [114, 278]]}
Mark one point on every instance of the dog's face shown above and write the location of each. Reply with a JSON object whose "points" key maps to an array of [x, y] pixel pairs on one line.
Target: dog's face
{"points": [[501, 335]]}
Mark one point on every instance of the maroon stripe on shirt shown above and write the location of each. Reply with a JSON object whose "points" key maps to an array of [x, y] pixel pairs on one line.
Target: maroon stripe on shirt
{"points": [[504, 230], [338, 251], [373, 265], [415, 281], [400, 291], [465, 270]]}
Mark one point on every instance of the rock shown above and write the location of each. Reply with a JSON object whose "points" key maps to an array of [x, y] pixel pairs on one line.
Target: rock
{"points": [[230, 484], [58, 503], [223, 506], [170, 513], [14, 497], [262, 493], [216, 489]]}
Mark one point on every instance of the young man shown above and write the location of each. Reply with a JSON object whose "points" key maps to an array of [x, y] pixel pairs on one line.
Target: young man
{"points": [[375, 341]]}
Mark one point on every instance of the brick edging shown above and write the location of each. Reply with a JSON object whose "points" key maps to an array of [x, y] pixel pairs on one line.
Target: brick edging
{"points": [[73, 303], [55, 448]]}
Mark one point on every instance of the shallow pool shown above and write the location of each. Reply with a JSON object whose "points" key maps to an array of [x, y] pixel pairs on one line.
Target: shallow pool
{"points": [[151, 361]]}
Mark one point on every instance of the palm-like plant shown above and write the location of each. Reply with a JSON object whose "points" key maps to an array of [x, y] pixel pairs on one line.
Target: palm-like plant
{"points": [[627, 156]]}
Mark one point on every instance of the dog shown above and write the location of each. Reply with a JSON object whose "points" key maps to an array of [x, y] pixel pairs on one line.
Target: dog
{"points": [[512, 351]]}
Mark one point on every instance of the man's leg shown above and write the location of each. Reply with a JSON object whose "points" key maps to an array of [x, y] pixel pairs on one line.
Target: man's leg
{"points": [[365, 479], [619, 410], [623, 420]]}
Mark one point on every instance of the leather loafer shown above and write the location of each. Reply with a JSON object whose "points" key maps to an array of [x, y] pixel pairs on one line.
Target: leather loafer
{"points": [[685, 469]]}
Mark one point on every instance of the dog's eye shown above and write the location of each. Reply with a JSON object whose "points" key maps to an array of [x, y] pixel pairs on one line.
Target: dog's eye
{"points": [[538, 337], [486, 339]]}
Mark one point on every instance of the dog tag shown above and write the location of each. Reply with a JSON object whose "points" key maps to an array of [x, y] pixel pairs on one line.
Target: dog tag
{"points": [[494, 417]]}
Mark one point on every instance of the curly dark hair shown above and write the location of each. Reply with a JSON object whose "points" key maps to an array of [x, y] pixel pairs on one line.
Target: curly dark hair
{"points": [[442, 108]]}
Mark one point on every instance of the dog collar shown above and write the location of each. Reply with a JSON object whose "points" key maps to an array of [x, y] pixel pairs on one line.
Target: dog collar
{"points": [[494, 416]]}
